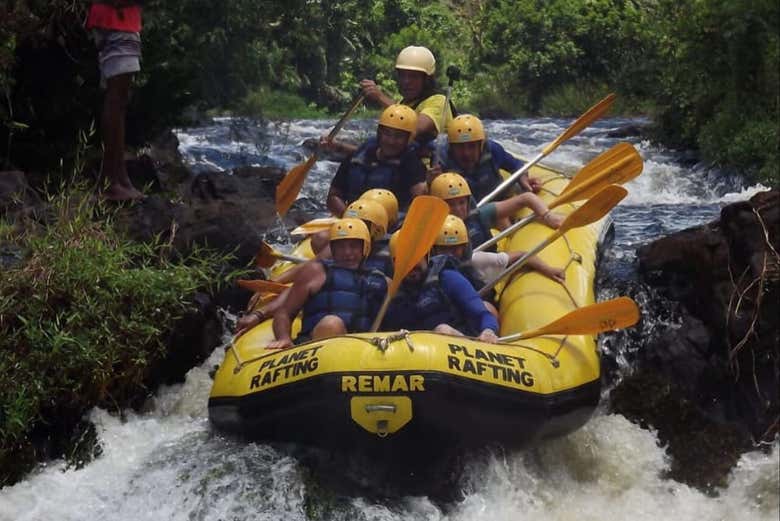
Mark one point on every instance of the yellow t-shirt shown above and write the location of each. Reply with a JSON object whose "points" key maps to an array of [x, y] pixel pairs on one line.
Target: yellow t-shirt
{"points": [[432, 107]]}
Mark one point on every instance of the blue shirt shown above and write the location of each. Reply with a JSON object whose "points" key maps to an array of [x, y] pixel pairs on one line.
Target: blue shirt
{"points": [[465, 297]]}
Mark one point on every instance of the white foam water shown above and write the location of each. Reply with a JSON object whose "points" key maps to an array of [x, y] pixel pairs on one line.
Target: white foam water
{"points": [[168, 464]]}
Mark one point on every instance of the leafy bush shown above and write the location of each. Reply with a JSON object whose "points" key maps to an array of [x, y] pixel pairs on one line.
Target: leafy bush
{"points": [[274, 104], [84, 318]]}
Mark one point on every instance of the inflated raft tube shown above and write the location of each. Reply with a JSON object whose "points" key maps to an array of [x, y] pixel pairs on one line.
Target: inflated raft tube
{"points": [[410, 386]]}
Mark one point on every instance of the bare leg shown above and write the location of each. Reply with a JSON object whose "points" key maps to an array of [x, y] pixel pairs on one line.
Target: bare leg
{"points": [[113, 129], [491, 308], [329, 325], [446, 329]]}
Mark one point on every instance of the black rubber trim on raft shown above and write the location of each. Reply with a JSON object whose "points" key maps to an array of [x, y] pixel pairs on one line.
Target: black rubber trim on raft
{"points": [[463, 410]]}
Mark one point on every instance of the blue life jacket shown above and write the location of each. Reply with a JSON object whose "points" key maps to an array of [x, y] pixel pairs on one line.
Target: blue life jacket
{"points": [[482, 180], [352, 295], [478, 232], [367, 172], [432, 306]]}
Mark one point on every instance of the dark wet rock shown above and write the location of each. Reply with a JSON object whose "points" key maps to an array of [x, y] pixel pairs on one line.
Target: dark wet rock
{"points": [[222, 211], [191, 342], [723, 361], [16, 194], [19, 204], [703, 452], [627, 131]]}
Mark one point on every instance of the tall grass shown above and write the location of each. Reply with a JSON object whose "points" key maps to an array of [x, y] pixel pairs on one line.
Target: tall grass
{"points": [[83, 319]]}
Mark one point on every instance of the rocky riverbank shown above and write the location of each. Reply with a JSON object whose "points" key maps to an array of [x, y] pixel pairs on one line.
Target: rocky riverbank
{"points": [[710, 386], [184, 211]]}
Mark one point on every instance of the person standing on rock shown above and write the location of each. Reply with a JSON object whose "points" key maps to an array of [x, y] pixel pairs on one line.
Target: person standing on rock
{"points": [[116, 27]]}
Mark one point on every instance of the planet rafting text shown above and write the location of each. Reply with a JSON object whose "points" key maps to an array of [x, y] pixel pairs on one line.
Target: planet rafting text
{"points": [[290, 365], [481, 362]]}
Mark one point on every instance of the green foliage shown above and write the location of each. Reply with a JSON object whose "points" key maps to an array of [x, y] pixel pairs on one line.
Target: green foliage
{"points": [[697, 65], [717, 73], [278, 105], [85, 316]]}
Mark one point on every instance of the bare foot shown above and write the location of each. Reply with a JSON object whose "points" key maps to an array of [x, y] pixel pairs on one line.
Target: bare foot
{"points": [[121, 193]]}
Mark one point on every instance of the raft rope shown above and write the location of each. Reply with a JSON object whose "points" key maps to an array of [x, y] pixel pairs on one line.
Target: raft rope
{"points": [[383, 342]]}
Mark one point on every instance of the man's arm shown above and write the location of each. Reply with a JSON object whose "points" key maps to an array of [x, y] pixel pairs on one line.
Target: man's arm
{"points": [[308, 281], [465, 297], [426, 126], [335, 202], [509, 207], [504, 160], [372, 92]]}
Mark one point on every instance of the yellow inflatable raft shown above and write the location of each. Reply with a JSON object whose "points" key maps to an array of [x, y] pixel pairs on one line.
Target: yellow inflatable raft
{"points": [[415, 386]]}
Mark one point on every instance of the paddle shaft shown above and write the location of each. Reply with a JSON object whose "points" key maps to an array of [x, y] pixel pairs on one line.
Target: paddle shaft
{"points": [[355, 104], [510, 180], [519, 263], [288, 189], [340, 123], [443, 126], [575, 128], [290, 258], [382, 312], [596, 208], [597, 318], [580, 191]]}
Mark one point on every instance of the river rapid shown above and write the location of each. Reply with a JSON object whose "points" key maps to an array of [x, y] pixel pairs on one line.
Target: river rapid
{"points": [[167, 463]]}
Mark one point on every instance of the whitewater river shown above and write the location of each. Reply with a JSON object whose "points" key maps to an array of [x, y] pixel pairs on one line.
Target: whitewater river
{"points": [[168, 464]]}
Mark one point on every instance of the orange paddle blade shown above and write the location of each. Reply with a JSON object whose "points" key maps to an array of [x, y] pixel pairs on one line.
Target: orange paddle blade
{"points": [[314, 226], [591, 115], [418, 233], [266, 286], [415, 239], [288, 189], [617, 165], [613, 314]]}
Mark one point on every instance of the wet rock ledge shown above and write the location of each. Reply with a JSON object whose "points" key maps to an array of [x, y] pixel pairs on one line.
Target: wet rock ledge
{"points": [[710, 386]]}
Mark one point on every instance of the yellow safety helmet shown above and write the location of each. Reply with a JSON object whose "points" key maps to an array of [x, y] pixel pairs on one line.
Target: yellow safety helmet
{"points": [[351, 228], [400, 117], [414, 58], [453, 232], [387, 199], [465, 129], [372, 212], [450, 185]]}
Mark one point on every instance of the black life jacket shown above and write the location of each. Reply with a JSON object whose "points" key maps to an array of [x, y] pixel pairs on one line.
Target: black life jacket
{"points": [[483, 179], [366, 171]]}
